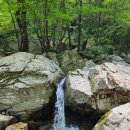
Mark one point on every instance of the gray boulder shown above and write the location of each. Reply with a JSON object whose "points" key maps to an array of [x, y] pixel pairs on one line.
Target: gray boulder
{"points": [[114, 59], [78, 91], [52, 56], [116, 119], [100, 88], [89, 64], [110, 85], [27, 82], [70, 60]]}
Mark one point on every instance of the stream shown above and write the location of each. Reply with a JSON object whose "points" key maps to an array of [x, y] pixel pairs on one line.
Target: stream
{"points": [[60, 121]]}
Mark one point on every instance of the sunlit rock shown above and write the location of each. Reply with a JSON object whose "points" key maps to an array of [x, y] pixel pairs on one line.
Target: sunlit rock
{"points": [[18, 126], [99, 88], [27, 82]]}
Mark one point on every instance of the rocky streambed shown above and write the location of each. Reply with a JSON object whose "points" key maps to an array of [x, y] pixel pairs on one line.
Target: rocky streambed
{"points": [[28, 85]]}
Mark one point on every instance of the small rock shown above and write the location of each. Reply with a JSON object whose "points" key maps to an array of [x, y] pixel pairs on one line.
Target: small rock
{"points": [[5, 120], [52, 56], [70, 60], [128, 58], [90, 64], [18, 126], [123, 55], [114, 59]]}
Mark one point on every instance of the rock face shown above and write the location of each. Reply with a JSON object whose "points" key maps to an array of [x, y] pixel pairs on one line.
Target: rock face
{"points": [[78, 91], [110, 85], [18, 126], [101, 88], [5, 120], [70, 60], [26, 83], [117, 119]]}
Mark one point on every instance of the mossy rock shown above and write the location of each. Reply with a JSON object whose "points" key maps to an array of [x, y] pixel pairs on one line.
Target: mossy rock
{"points": [[102, 121]]}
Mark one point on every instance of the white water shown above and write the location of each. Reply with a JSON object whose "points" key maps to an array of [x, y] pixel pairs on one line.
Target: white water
{"points": [[59, 117], [59, 114]]}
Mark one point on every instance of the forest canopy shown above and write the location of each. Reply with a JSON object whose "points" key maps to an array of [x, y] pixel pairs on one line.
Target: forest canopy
{"points": [[92, 26]]}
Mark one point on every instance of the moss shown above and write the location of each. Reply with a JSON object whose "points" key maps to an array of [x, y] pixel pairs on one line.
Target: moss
{"points": [[91, 85], [102, 121], [34, 73], [8, 76]]}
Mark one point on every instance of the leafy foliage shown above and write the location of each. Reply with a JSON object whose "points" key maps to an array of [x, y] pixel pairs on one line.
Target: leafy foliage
{"points": [[105, 24]]}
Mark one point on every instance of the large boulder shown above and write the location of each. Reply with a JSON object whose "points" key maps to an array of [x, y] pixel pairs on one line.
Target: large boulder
{"points": [[116, 119], [78, 91], [27, 82], [100, 88], [70, 60], [110, 85]]}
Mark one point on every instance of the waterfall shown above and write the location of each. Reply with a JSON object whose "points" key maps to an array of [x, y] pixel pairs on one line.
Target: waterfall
{"points": [[59, 114], [59, 117]]}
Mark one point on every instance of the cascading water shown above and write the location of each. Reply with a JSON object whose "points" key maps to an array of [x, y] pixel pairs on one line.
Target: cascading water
{"points": [[59, 119], [59, 114]]}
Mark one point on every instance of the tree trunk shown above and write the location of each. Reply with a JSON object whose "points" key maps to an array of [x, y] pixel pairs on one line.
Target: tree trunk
{"points": [[22, 24], [79, 27], [46, 39], [69, 37]]}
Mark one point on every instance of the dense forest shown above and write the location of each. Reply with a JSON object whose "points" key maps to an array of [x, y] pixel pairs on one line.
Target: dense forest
{"points": [[64, 64], [92, 26]]}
